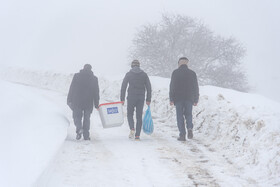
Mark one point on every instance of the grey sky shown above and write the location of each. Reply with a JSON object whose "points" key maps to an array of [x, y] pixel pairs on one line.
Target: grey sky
{"points": [[65, 34]]}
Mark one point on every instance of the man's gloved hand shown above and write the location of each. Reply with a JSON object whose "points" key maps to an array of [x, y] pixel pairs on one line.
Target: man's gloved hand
{"points": [[97, 107]]}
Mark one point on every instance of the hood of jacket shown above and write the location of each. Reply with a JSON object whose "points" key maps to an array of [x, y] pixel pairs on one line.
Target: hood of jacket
{"points": [[136, 70], [183, 66], [86, 72]]}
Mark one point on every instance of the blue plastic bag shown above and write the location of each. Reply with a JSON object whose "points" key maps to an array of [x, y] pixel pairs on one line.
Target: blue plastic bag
{"points": [[148, 125]]}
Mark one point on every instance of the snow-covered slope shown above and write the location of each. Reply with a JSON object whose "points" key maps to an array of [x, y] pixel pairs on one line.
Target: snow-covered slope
{"points": [[237, 135], [32, 130]]}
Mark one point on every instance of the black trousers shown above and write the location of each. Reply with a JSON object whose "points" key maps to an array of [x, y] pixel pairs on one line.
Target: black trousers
{"points": [[80, 115], [132, 104], [184, 113]]}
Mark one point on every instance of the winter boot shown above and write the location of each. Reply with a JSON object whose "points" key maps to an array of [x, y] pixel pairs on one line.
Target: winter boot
{"points": [[137, 138], [87, 138], [181, 138], [131, 134], [86, 135], [190, 134], [79, 134]]}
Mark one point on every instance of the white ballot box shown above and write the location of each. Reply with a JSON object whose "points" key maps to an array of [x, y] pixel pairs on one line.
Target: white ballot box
{"points": [[111, 114]]}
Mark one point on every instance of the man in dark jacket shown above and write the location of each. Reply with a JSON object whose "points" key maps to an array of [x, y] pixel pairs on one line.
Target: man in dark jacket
{"points": [[138, 82], [83, 93], [184, 93]]}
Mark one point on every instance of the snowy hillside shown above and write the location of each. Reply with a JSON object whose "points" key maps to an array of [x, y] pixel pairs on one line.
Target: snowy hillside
{"points": [[236, 138]]}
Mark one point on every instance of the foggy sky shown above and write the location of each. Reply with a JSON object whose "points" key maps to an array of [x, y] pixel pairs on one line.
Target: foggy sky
{"points": [[63, 35]]}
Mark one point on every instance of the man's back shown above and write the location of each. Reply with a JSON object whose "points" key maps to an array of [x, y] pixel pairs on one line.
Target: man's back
{"points": [[184, 85], [84, 90], [138, 83]]}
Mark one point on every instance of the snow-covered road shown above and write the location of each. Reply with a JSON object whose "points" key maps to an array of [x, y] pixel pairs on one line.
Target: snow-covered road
{"points": [[111, 159]]}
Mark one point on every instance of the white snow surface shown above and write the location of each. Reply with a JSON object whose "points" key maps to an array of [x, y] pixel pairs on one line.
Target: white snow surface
{"points": [[236, 140], [33, 128]]}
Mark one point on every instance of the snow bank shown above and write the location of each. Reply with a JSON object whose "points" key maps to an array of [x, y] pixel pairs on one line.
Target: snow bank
{"points": [[32, 130], [245, 128], [242, 128]]}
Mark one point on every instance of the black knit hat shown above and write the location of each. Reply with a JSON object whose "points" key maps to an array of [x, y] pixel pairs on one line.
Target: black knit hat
{"points": [[87, 67], [135, 63]]}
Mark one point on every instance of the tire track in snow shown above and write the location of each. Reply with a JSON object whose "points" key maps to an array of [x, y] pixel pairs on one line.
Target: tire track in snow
{"points": [[199, 163], [186, 162]]}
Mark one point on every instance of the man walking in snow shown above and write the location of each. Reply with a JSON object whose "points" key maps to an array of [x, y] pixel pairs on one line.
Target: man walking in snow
{"points": [[83, 94], [184, 94], [138, 82]]}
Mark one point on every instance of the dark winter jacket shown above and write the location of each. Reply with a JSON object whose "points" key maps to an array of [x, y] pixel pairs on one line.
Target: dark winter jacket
{"points": [[139, 82], [183, 85], [84, 91]]}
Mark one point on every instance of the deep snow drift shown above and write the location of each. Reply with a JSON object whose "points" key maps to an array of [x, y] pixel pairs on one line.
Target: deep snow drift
{"points": [[237, 135], [32, 130]]}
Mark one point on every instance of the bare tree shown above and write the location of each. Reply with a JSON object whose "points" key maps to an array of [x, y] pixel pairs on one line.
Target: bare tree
{"points": [[216, 60]]}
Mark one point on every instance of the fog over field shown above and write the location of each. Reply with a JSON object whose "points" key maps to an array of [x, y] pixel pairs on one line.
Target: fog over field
{"points": [[63, 35]]}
